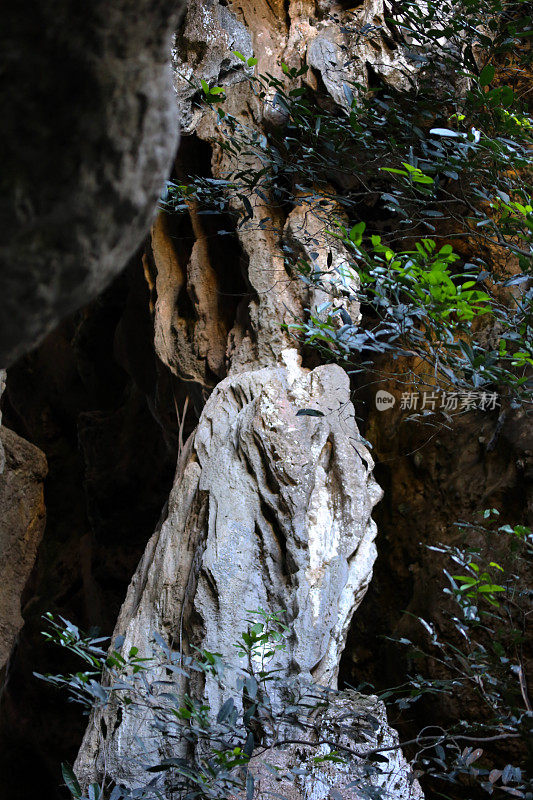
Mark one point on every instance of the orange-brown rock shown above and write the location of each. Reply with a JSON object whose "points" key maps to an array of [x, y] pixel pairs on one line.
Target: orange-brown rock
{"points": [[22, 521]]}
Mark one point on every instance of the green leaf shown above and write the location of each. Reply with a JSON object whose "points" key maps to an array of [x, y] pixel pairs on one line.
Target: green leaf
{"points": [[443, 132], [239, 55], [356, 233], [94, 791], [225, 710], [70, 779], [491, 587], [487, 74], [506, 96], [309, 412], [249, 786], [421, 178], [468, 580]]}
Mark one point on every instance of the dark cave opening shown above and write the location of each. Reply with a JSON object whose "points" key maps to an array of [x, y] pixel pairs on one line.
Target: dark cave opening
{"points": [[226, 253], [98, 402]]}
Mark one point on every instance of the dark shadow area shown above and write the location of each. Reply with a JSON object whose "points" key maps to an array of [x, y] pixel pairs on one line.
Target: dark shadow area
{"points": [[97, 401], [432, 477]]}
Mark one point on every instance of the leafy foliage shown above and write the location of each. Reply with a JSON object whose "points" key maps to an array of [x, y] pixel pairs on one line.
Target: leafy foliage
{"points": [[213, 753], [448, 158], [484, 667], [264, 711]]}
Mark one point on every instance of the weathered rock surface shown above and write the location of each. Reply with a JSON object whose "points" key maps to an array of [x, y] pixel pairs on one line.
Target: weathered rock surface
{"points": [[349, 710], [191, 320], [2, 387], [328, 38], [89, 124], [269, 509], [22, 521], [306, 232]]}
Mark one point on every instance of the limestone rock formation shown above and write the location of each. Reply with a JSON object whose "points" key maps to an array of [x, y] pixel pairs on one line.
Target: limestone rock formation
{"points": [[22, 521], [2, 387], [273, 495], [90, 128], [323, 36], [392, 779], [270, 509], [190, 337]]}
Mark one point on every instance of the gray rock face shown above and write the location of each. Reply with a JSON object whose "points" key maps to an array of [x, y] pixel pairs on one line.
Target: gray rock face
{"points": [[343, 54], [391, 779], [89, 129], [209, 34], [307, 234], [269, 509], [290, 500]]}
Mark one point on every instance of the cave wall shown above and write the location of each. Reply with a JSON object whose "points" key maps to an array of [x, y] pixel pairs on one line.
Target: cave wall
{"points": [[89, 130], [22, 474]]}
